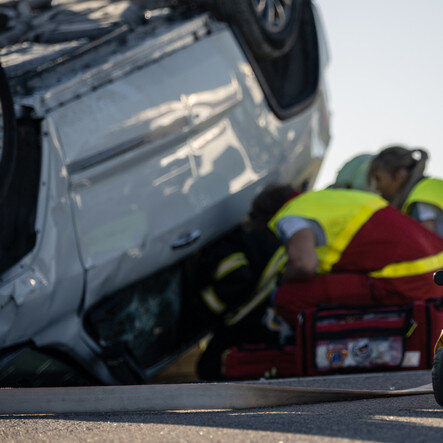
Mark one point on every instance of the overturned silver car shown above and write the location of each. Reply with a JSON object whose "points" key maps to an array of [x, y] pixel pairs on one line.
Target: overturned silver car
{"points": [[129, 144]]}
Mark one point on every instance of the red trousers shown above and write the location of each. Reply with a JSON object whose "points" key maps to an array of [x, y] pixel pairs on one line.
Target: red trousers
{"points": [[387, 237]]}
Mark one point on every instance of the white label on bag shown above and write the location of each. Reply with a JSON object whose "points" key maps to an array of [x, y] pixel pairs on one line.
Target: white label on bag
{"points": [[411, 359], [364, 352]]}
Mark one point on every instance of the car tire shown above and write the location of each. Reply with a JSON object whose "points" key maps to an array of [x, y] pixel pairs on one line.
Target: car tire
{"points": [[9, 135], [437, 376], [267, 35]]}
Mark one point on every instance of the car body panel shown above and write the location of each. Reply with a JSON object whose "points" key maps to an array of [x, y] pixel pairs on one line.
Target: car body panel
{"points": [[130, 149], [48, 283]]}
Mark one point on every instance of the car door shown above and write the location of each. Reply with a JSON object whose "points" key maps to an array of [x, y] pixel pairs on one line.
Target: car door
{"points": [[128, 152]]}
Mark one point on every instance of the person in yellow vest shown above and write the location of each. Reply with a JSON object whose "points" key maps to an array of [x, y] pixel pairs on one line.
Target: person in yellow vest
{"points": [[398, 176], [348, 247]]}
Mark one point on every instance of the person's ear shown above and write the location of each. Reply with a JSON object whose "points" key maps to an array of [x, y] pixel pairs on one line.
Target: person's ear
{"points": [[401, 176]]}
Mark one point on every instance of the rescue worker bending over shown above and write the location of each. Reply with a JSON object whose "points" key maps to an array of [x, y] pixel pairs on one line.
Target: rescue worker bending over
{"points": [[348, 247], [398, 175]]}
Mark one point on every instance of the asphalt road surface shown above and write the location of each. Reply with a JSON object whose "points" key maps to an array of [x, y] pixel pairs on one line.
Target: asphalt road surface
{"points": [[404, 419]]}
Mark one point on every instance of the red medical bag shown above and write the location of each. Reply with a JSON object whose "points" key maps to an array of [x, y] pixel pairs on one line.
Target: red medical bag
{"points": [[257, 361], [343, 339]]}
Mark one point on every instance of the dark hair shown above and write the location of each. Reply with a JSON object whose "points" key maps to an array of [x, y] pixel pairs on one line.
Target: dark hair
{"points": [[394, 158], [268, 202]]}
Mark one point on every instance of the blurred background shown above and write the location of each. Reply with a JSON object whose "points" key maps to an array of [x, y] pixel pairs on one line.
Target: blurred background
{"points": [[385, 78]]}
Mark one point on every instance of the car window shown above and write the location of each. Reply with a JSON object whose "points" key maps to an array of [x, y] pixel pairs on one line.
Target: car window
{"points": [[7, 134], [141, 319], [2, 130], [290, 81]]}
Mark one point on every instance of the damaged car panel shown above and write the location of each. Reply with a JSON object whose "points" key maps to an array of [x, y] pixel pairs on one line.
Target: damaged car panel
{"points": [[133, 152]]}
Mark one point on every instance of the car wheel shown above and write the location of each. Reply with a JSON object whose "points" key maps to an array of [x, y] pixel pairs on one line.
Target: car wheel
{"points": [[8, 136], [437, 376], [269, 27]]}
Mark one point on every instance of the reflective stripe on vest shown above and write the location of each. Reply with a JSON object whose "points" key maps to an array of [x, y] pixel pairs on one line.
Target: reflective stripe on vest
{"points": [[427, 190], [340, 212], [265, 287], [274, 267], [410, 268], [212, 301], [230, 264]]}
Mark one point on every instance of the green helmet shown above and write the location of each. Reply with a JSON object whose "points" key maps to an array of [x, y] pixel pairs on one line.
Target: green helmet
{"points": [[353, 175]]}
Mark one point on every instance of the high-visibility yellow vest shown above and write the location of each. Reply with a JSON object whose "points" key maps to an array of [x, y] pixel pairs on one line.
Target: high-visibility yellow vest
{"points": [[340, 212], [427, 190]]}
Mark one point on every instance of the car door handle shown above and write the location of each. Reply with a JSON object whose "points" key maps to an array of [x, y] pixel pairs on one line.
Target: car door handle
{"points": [[186, 239]]}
